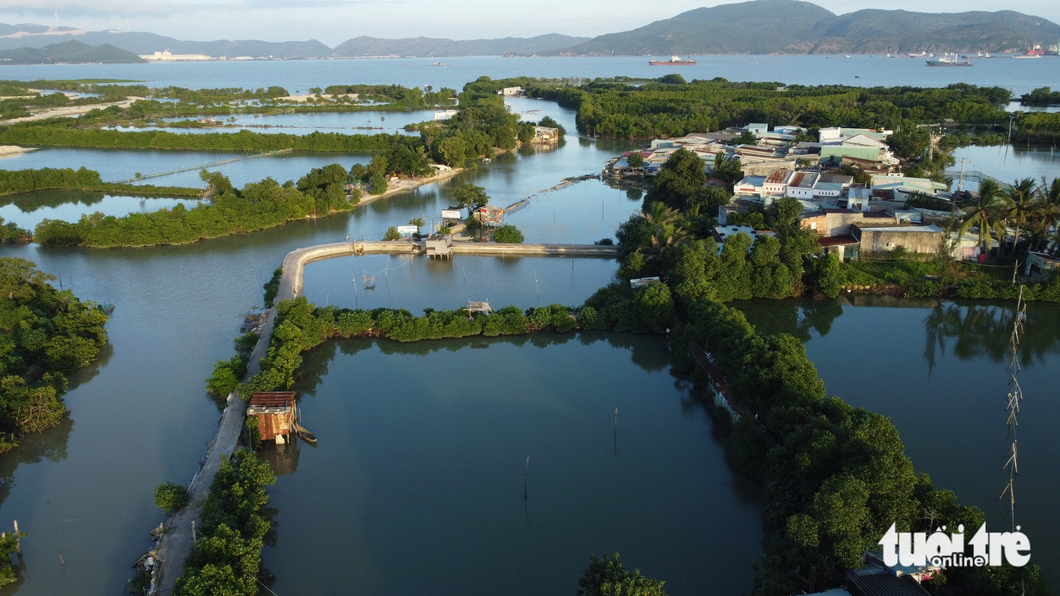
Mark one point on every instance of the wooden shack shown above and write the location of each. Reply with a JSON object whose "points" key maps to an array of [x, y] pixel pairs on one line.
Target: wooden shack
{"points": [[275, 411], [488, 215]]}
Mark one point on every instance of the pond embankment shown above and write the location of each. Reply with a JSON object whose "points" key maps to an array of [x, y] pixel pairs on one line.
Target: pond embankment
{"points": [[179, 537]]}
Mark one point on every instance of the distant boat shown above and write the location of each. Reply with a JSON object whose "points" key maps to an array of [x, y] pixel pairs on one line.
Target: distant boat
{"points": [[107, 308], [917, 55], [673, 61], [943, 61]]}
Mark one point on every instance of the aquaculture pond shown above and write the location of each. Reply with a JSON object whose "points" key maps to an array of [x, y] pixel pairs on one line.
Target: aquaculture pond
{"points": [[29, 209], [422, 456], [366, 122]]}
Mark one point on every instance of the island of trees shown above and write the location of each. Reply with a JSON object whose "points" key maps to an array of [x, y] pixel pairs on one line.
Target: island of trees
{"points": [[45, 334]]}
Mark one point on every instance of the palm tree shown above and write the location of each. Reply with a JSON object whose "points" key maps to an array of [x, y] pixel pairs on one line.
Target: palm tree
{"points": [[660, 213], [987, 216], [1021, 200], [1046, 213]]}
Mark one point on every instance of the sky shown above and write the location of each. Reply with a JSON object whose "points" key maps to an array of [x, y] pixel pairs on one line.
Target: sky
{"points": [[334, 21]]}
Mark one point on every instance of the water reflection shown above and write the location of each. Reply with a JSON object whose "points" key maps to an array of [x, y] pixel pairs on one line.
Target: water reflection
{"points": [[49, 445], [966, 329], [31, 201], [315, 369], [976, 330], [799, 318]]}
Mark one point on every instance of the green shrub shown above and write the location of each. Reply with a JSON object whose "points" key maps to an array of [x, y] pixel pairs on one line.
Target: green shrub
{"points": [[272, 286], [508, 234], [253, 433], [590, 318], [246, 342], [170, 497], [226, 375]]}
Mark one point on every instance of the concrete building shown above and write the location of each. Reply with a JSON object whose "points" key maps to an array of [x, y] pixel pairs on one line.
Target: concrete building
{"points": [[800, 185], [831, 185], [166, 56], [758, 128], [776, 183], [439, 245], [510, 91], [1040, 264], [880, 241], [750, 185], [836, 135]]}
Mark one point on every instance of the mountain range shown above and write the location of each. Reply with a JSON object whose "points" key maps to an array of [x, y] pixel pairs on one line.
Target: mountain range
{"points": [[755, 27], [69, 52], [796, 27]]}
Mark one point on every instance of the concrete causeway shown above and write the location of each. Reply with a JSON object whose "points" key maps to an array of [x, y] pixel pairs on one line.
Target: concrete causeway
{"points": [[177, 542]]}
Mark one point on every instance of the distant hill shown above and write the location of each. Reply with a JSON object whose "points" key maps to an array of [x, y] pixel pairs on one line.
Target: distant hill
{"points": [[796, 27], [755, 27], [436, 48], [879, 31], [36, 36], [759, 27], [69, 52]]}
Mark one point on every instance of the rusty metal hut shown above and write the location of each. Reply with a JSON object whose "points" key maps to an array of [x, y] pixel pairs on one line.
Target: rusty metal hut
{"points": [[275, 411]]}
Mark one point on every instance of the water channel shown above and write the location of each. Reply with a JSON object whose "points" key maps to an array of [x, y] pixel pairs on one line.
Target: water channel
{"points": [[421, 448]]}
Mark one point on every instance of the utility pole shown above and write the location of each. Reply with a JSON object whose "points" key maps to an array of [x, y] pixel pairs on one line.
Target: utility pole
{"points": [[1011, 117], [960, 182]]}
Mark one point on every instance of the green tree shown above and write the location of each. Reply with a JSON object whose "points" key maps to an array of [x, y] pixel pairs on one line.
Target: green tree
{"points": [[170, 497], [987, 216], [392, 234], [680, 177], [728, 170], [469, 195], [216, 183], [508, 234], [654, 307], [635, 160], [909, 141], [1021, 201], [746, 138], [608, 577]]}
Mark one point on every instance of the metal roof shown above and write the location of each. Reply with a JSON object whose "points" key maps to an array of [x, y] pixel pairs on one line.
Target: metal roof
{"points": [[272, 399]]}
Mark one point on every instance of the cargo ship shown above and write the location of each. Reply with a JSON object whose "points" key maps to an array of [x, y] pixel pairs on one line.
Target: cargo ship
{"points": [[944, 61], [1035, 52], [673, 61]]}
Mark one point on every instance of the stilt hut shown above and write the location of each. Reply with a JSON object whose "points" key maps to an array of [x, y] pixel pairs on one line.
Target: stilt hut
{"points": [[439, 245], [275, 411]]}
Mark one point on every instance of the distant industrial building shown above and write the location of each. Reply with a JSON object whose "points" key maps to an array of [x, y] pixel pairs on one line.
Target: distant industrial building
{"points": [[166, 56]]}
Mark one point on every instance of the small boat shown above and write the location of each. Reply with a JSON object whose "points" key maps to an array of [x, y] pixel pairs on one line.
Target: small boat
{"points": [[306, 436], [673, 61], [107, 308]]}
